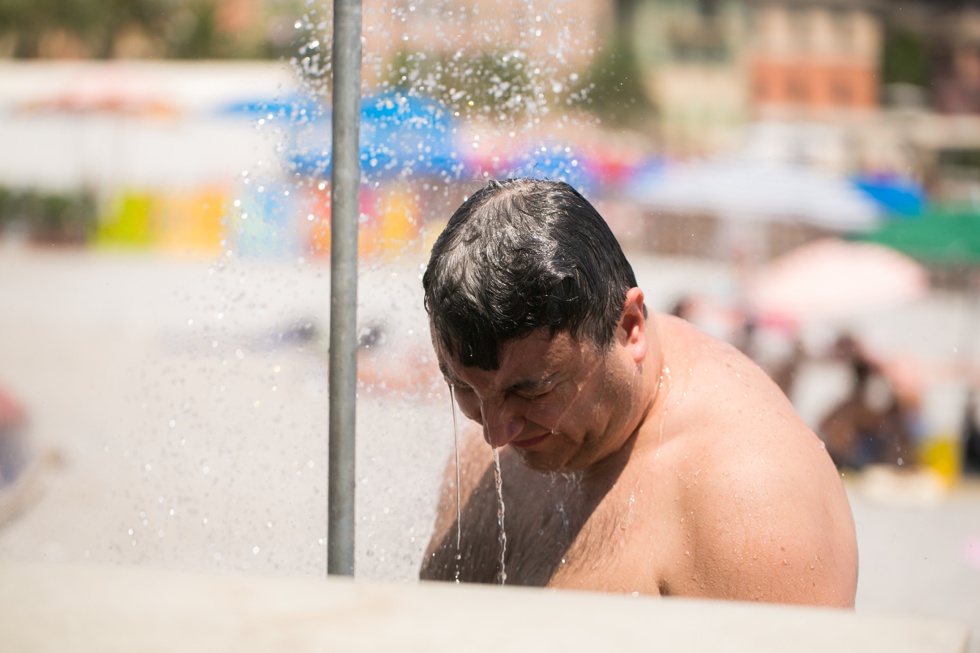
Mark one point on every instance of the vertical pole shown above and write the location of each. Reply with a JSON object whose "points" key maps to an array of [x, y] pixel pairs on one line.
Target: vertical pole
{"points": [[344, 187]]}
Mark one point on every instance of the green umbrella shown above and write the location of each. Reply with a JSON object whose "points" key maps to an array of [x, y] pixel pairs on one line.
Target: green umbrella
{"points": [[944, 236]]}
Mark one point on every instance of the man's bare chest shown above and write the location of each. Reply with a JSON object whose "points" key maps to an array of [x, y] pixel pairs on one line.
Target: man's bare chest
{"points": [[551, 531]]}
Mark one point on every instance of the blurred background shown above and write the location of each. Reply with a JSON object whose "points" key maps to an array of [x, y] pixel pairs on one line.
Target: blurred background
{"points": [[798, 177]]}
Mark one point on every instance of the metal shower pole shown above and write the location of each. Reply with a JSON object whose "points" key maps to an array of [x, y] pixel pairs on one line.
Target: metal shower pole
{"points": [[344, 186]]}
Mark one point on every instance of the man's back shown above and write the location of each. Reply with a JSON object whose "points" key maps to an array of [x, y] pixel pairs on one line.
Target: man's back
{"points": [[723, 492]]}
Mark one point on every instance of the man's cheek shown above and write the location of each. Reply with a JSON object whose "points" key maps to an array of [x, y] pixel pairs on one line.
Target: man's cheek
{"points": [[471, 411]]}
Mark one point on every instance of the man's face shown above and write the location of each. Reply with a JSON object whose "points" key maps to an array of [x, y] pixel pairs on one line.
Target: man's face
{"points": [[561, 403]]}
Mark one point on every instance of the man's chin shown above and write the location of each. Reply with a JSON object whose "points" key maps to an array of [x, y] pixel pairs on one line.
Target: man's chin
{"points": [[540, 461]]}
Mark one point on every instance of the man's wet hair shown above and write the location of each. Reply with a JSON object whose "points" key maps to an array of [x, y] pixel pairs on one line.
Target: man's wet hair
{"points": [[519, 255]]}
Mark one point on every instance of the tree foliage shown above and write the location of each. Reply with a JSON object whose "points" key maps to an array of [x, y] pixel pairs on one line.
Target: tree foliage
{"points": [[144, 28], [905, 58], [613, 88]]}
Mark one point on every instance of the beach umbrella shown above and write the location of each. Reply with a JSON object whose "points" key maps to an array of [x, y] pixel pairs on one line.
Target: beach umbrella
{"points": [[833, 278], [401, 135], [748, 190], [942, 236], [294, 107], [553, 161], [898, 196]]}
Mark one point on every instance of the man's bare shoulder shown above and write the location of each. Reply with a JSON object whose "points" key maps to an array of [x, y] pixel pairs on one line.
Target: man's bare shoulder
{"points": [[769, 518], [770, 528], [764, 514]]}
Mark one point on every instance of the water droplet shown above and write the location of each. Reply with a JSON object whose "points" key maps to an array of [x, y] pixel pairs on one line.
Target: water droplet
{"points": [[255, 550]]}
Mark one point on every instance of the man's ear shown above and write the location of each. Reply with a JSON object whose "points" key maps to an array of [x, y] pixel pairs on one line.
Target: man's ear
{"points": [[632, 325]]}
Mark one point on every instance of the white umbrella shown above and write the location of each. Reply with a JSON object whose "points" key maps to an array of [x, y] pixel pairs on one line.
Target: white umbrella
{"points": [[831, 278], [737, 189]]}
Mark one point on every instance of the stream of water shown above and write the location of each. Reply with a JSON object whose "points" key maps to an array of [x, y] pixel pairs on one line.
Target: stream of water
{"points": [[500, 516]]}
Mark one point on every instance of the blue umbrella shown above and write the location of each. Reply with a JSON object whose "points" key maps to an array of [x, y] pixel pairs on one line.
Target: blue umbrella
{"points": [[400, 135], [896, 195], [295, 107], [555, 162]]}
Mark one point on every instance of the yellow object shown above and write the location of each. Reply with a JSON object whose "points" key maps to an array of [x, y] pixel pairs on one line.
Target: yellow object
{"points": [[393, 226], [941, 454], [388, 225], [191, 222], [130, 220]]}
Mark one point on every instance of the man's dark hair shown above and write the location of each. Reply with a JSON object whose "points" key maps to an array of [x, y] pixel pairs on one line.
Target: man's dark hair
{"points": [[519, 255]]}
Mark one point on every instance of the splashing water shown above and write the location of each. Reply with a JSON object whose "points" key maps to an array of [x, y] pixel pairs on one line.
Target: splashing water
{"points": [[459, 527], [500, 516]]}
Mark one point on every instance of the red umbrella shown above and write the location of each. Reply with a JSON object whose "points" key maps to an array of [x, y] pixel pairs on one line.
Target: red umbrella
{"points": [[832, 278]]}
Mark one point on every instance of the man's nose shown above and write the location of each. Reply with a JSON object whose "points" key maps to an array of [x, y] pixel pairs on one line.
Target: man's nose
{"points": [[501, 422]]}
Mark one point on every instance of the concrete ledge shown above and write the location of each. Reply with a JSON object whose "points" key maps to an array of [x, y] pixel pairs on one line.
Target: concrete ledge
{"points": [[52, 607]]}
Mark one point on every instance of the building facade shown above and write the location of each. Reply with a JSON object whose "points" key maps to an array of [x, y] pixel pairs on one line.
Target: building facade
{"points": [[812, 59]]}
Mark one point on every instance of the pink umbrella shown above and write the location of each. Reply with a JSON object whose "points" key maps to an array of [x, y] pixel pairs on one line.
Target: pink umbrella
{"points": [[831, 278]]}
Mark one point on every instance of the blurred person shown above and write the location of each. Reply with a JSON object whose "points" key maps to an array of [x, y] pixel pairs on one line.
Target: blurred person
{"points": [[637, 454], [872, 424], [684, 308], [786, 369], [14, 451], [971, 433]]}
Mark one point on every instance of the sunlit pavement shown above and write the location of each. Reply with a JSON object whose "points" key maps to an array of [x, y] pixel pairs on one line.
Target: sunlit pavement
{"points": [[178, 412]]}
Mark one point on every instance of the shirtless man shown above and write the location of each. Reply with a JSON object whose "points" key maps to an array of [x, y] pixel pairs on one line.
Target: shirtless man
{"points": [[637, 454]]}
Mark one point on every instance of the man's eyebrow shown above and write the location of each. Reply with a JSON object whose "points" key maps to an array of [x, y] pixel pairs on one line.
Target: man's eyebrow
{"points": [[532, 385]]}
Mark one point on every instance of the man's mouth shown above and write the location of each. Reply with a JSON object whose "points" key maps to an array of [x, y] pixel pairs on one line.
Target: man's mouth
{"points": [[530, 442]]}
